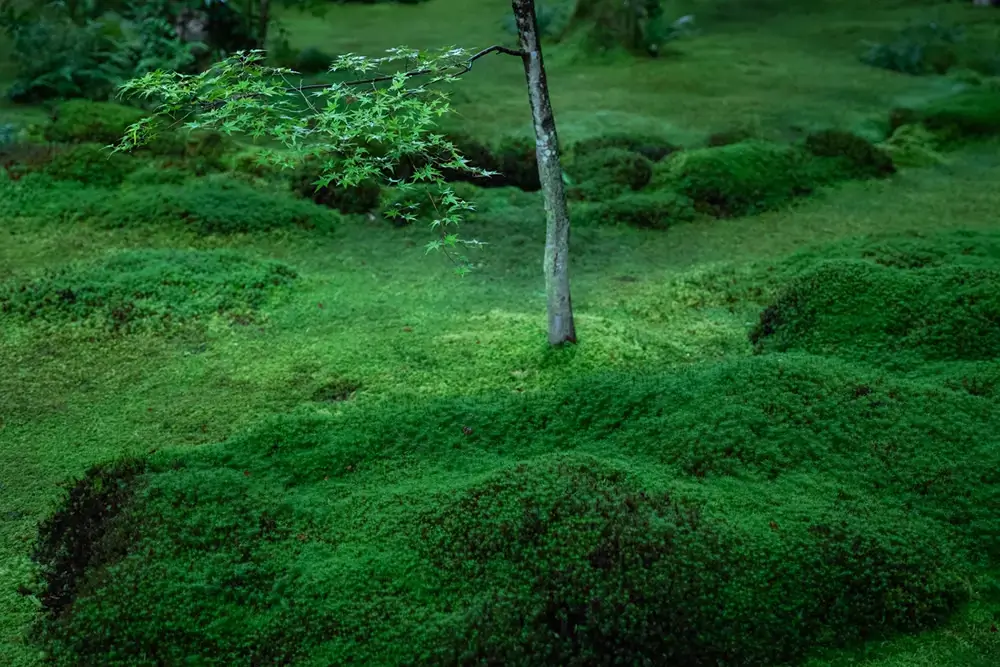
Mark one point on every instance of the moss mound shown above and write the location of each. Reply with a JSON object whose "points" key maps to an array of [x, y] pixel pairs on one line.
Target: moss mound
{"points": [[148, 288], [645, 210], [651, 147], [899, 313], [969, 115], [209, 206], [608, 172], [741, 513], [79, 121], [850, 156], [750, 177], [91, 164], [913, 146], [739, 179], [86, 121]]}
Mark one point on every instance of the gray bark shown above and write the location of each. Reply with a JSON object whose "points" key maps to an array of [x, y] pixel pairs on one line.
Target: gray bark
{"points": [[558, 303]]}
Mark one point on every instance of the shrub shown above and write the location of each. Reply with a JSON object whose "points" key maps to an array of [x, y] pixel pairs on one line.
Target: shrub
{"points": [[606, 173], [741, 179], [208, 206], [747, 513], [894, 313], [970, 114], [88, 51], [851, 156], [148, 288], [639, 26], [646, 210], [925, 49]]}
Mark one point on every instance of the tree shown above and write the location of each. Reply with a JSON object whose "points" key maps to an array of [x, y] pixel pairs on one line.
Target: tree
{"points": [[366, 127]]}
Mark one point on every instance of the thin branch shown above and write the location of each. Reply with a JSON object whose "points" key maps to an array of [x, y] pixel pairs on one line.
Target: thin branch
{"points": [[466, 68]]}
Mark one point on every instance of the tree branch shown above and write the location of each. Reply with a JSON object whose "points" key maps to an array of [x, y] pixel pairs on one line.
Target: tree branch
{"points": [[466, 68]]}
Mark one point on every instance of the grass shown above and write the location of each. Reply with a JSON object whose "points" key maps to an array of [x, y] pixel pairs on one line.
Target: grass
{"points": [[377, 336]]}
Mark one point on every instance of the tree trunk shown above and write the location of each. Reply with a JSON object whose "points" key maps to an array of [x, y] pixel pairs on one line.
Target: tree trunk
{"points": [[263, 20], [559, 306]]}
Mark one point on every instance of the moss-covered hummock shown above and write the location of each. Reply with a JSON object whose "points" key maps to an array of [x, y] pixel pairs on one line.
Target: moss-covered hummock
{"points": [[208, 206], [968, 115], [147, 289], [607, 173], [645, 210], [743, 513], [739, 179], [894, 312]]}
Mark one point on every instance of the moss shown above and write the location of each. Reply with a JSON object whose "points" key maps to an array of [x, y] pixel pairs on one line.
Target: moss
{"points": [[91, 164], [894, 312], [751, 511], [145, 289], [77, 121], [650, 146], [644, 210], [913, 146], [850, 156], [207, 206], [741, 179], [81, 535], [968, 115], [86, 121], [606, 173]]}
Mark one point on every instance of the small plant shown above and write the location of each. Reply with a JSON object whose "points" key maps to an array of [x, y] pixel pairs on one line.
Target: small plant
{"points": [[639, 26], [924, 49]]}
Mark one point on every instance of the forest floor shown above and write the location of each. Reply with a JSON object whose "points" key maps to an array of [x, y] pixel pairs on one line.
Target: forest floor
{"points": [[452, 376]]}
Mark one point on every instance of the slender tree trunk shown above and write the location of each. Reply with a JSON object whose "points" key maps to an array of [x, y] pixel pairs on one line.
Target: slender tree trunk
{"points": [[263, 21], [559, 306]]}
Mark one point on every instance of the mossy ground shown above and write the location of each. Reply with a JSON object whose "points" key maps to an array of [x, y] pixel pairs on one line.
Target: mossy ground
{"points": [[373, 426]]}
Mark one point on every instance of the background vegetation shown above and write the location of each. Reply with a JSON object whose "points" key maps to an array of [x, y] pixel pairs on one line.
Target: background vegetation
{"points": [[243, 421]]}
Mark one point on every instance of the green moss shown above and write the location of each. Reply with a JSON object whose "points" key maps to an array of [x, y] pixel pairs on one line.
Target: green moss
{"points": [[741, 179], [645, 210], [147, 289], [81, 535], [650, 146], [898, 313], [86, 121], [968, 115], [746, 512], [606, 173], [78, 121], [849, 156], [91, 164], [208, 206], [913, 146]]}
